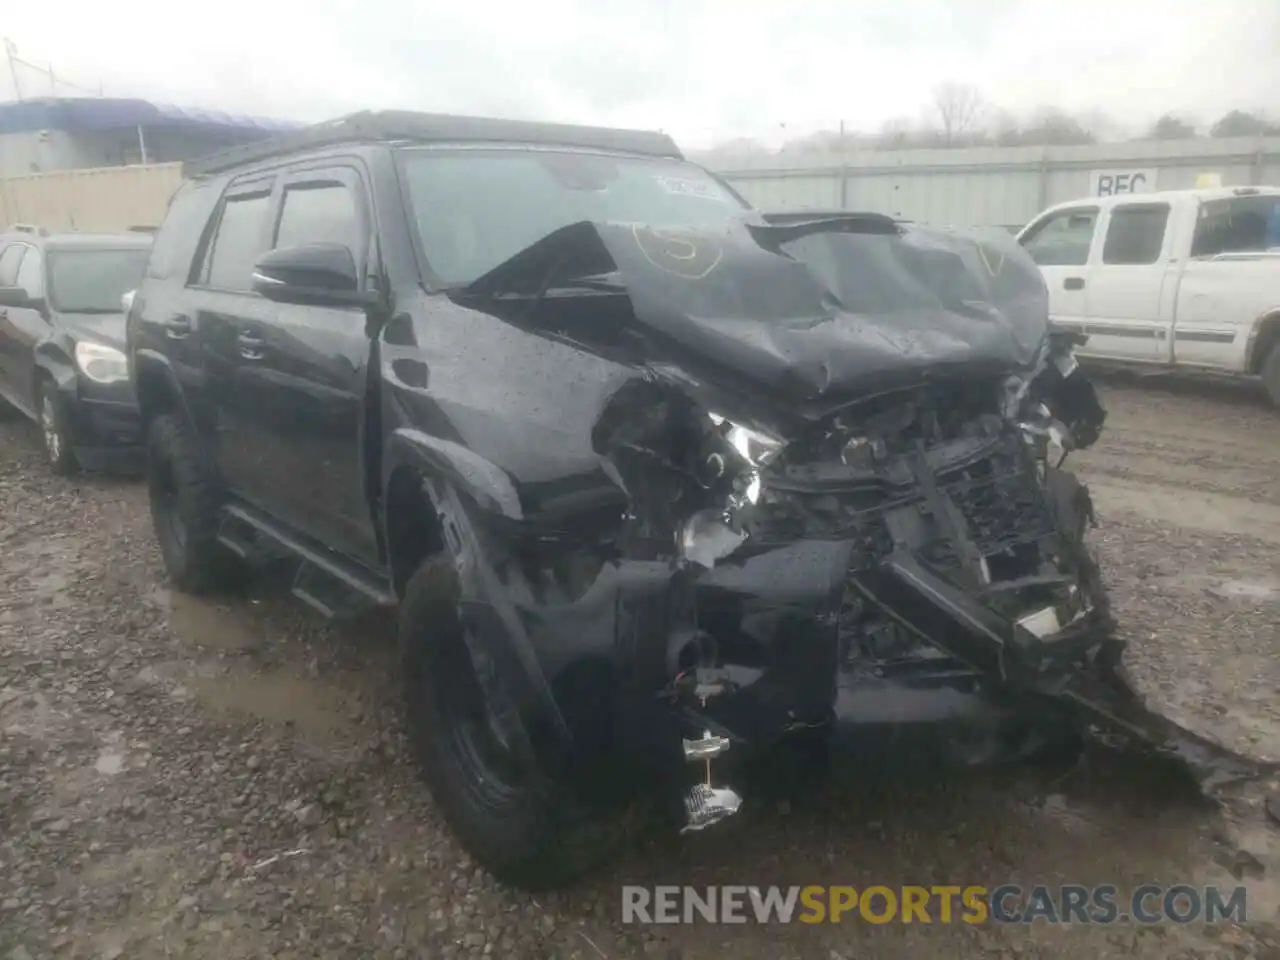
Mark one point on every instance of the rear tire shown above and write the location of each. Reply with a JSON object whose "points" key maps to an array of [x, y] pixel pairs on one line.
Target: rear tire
{"points": [[523, 829], [184, 509], [1271, 374], [55, 431]]}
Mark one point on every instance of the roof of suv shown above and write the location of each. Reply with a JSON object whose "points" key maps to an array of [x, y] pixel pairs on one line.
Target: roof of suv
{"points": [[409, 127]]}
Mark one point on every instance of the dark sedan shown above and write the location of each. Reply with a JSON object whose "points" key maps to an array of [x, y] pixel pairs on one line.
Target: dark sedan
{"points": [[62, 331]]}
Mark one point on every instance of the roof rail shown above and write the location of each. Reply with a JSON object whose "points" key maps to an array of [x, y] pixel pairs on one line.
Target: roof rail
{"points": [[29, 228], [141, 229], [403, 125]]}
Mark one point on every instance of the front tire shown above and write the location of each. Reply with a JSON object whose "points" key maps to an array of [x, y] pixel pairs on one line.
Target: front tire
{"points": [[1271, 374], [185, 501], [523, 829], [55, 431]]}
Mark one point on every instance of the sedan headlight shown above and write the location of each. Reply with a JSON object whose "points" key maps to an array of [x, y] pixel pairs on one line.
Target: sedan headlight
{"points": [[100, 363]]}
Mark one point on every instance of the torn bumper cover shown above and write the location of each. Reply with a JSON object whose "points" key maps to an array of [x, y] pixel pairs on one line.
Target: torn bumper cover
{"points": [[845, 517]]}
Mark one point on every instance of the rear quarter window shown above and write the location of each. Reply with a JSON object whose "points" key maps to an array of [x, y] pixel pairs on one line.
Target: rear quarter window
{"points": [[179, 234]]}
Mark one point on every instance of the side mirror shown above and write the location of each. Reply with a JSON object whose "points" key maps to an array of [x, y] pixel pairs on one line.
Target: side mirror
{"points": [[18, 297], [315, 274]]}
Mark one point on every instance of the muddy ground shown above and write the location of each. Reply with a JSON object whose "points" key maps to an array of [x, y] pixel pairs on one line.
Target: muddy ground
{"points": [[181, 778]]}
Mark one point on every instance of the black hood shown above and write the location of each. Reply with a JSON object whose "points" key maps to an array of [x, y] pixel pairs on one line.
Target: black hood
{"points": [[104, 328], [805, 316]]}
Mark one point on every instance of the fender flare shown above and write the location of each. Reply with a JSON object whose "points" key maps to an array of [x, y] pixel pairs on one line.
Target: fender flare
{"points": [[454, 475], [464, 470], [1251, 360], [151, 363]]}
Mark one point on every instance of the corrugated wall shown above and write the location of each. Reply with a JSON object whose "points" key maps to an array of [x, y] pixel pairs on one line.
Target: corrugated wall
{"points": [[982, 186], [104, 198], [986, 186]]}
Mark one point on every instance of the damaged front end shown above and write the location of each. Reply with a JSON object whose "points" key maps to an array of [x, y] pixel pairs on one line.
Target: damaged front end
{"points": [[848, 518]]}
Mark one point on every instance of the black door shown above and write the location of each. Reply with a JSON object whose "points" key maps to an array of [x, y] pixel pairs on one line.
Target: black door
{"points": [[304, 376], [221, 306], [29, 326], [10, 261]]}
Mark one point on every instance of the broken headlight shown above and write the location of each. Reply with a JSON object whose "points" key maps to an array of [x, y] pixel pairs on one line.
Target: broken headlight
{"points": [[712, 534], [756, 448]]}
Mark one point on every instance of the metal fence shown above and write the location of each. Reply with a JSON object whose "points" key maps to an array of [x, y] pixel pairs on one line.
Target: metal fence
{"points": [[993, 186], [103, 198]]}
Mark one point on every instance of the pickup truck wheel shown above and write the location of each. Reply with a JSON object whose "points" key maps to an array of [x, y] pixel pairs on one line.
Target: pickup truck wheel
{"points": [[523, 829], [1271, 374], [54, 432], [184, 509]]}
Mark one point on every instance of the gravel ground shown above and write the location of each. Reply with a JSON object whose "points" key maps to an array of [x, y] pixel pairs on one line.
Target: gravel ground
{"points": [[181, 778]]}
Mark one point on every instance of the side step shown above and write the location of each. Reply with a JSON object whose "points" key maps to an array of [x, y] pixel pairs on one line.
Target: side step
{"points": [[326, 581]]}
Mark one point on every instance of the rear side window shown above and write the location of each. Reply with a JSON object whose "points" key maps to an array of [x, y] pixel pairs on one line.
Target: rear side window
{"points": [[1064, 239], [9, 261], [238, 242], [319, 213], [1135, 234], [179, 235], [1237, 225]]}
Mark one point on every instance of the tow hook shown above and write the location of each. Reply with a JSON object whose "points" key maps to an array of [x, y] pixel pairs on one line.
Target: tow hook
{"points": [[704, 804]]}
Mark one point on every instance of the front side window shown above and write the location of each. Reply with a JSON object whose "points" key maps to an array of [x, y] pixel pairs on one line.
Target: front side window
{"points": [[93, 281], [318, 213], [1064, 239], [238, 242], [1237, 225], [474, 209], [1135, 234]]}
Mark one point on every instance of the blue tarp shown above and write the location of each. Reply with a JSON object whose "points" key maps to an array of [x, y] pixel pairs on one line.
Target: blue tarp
{"points": [[82, 115]]}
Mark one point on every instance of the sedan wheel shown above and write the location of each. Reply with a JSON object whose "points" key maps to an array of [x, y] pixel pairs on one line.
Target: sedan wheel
{"points": [[53, 430]]}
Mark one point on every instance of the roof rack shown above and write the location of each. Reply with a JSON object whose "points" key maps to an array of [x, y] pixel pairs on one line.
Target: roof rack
{"points": [[385, 125], [29, 228], [141, 228]]}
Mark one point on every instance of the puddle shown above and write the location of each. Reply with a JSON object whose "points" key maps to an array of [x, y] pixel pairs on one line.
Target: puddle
{"points": [[277, 697], [205, 624]]}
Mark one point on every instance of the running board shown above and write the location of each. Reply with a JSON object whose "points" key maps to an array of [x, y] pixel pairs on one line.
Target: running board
{"points": [[318, 565]]}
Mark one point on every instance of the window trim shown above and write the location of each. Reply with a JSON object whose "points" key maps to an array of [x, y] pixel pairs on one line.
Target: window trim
{"points": [[19, 245], [250, 185], [319, 173], [1148, 206], [1035, 229], [41, 267]]}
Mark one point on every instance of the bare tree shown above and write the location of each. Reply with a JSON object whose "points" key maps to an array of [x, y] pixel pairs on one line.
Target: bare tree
{"points": [[960, 108], [1169, 127]]}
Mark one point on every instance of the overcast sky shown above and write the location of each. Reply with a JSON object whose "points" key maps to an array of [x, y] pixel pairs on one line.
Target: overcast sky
{"points": [[703, 70]]}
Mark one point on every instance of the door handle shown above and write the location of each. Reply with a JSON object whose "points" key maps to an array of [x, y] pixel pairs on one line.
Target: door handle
{"points": [[177, 327], [1073, 283], [251, 346]]}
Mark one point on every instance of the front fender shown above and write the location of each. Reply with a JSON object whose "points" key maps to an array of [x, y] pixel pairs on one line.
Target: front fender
{"points": [[52, 360]]}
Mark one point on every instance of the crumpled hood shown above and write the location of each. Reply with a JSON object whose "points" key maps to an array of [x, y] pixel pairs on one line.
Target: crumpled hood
{"points": [[104, 328], [804, 317]]}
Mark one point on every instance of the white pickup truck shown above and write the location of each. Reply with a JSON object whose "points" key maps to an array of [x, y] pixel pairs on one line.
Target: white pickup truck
{"points": [[1185, 279]]}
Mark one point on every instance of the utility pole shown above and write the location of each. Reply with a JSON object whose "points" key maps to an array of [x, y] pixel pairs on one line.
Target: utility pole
{"points": [[10, 51]]}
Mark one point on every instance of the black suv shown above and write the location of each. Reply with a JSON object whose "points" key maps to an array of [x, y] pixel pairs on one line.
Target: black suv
{"points": [[62, 359], [649, 476]]}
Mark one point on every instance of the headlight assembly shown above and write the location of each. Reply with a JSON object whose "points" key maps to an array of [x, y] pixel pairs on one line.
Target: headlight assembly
{"points": [[758, 449], [100, 363]]}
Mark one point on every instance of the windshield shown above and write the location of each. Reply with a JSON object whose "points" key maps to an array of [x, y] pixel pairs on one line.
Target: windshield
{"points": [[93, 281], [475, 209]]}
